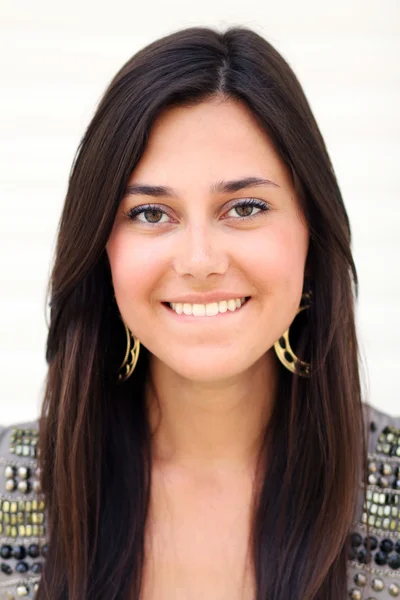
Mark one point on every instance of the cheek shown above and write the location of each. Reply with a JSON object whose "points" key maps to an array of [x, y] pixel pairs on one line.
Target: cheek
{"points": [[135, 269], [278, 257]]}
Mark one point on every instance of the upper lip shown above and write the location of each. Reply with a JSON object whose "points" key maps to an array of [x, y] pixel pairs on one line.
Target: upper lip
{"points": [[207, 298]]}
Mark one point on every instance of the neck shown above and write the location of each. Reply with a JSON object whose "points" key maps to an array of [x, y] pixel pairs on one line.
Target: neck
{"points": [[210, 426]]}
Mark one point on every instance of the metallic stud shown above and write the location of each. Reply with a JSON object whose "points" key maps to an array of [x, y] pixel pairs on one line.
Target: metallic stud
{"points": [[355, 594], [22, 590], [386, 469], [9, 472], [360, 579], [377, 584], [10, 485], [394, 590], [36, 486], [23, 486], [23, 472]]}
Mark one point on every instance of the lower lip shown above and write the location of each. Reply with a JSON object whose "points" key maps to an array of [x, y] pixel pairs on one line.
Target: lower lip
{"points": [[194, 319]]}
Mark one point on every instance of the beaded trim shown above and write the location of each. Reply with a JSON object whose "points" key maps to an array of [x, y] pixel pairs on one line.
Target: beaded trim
{"points": [[375, 570], [39, 498], [26, 580], [375, 456], [17, 463], [377, 531], [383, 490]]}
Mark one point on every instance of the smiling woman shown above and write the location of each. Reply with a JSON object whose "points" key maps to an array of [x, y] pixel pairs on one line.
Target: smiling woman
{"points": [[198, 242], [188, 447]]}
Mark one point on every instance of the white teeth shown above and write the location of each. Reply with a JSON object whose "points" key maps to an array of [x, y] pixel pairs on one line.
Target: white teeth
{"points": [[222, 306], [207, 310], [187, 309]]}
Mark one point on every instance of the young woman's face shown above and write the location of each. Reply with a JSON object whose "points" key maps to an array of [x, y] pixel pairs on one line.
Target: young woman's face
{"points": [[200, 238]]}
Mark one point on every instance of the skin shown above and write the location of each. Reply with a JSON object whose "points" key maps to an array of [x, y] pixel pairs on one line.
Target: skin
{"points": [[215, 381]]}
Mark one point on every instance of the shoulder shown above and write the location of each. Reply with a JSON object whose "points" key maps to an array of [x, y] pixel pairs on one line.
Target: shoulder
{"points": [[379, 506], [22, 511], [376, 420]]}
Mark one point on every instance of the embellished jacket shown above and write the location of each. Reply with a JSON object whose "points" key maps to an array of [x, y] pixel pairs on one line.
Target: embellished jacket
{"points": [[24, 547]]}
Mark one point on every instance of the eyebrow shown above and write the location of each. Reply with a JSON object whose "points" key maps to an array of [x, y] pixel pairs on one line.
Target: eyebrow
{"points": [[231, 186]]}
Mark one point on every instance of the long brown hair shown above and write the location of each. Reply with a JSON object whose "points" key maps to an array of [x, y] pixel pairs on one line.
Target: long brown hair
{"points": [[94, 434]]}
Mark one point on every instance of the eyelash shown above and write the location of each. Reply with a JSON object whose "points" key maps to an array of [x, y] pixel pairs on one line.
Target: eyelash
{"points": [[136, 210]]}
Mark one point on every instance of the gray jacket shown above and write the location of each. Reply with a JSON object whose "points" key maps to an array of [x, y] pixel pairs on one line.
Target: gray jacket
{"points": [[23, 544]]}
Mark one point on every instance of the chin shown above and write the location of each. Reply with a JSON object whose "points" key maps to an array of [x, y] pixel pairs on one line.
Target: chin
{"points": [[208, 371]]}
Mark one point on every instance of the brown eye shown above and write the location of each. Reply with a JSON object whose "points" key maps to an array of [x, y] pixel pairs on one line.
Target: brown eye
{"points": [[246, 207], [149, 212], [151, 215]]}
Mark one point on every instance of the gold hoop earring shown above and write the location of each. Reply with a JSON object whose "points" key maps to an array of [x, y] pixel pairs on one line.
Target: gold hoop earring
{"points": [[284, 350], [131, 356]]}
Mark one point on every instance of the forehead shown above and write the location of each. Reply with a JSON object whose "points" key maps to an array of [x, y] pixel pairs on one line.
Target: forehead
{"points": [[213, 139]]}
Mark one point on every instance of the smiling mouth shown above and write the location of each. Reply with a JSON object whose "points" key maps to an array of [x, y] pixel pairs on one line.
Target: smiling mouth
{"points": [[228, 311]]}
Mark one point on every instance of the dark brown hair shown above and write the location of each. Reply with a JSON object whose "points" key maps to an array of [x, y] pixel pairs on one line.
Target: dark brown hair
{"points": [[94, 434]]}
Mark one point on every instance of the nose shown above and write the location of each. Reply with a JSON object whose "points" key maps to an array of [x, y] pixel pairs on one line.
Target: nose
{"points": [[200, 253]]}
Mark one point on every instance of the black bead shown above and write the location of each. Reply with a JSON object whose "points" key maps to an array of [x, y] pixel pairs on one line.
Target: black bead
{"points": [[282, 342], [362, 556], [394, 561], [397, 546], [356, 540], [386, 545], [37, 567], [6, 568], [21, 567], [6, 551], [19, 552], [351, 553], [372, 426], [33, 550], [45, 550], [373, 542], [381, 558]]}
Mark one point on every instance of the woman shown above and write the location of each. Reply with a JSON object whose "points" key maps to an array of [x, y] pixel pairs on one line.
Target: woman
{"points": [[224, 459]]}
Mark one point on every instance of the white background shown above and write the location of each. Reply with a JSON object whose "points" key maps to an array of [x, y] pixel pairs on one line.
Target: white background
{"points": [[56, 60]]}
